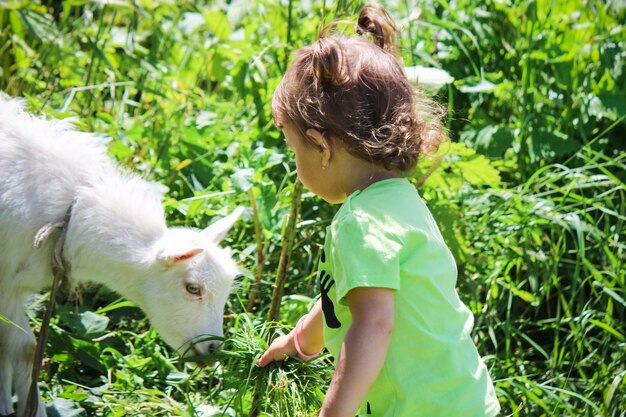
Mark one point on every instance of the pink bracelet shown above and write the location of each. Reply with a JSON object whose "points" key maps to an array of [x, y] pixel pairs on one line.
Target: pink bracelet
{"points": [[302, 355]]}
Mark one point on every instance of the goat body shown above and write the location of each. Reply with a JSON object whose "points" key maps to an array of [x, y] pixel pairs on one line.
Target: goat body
{"points": [[116, 236]]}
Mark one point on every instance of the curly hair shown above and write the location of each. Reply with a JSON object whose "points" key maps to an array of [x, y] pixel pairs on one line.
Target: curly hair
{"points": [[355, 89]]}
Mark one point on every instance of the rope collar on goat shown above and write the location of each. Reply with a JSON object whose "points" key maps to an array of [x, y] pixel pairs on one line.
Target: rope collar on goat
{"points": [[60, 271]]}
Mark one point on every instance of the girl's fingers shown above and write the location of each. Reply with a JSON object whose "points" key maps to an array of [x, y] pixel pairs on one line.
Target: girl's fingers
{"points": [[270, 356], [279, 350], [263, 360]]}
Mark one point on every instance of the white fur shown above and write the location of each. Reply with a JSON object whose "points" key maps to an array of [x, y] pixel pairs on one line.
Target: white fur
{"points": [[116, 236]]}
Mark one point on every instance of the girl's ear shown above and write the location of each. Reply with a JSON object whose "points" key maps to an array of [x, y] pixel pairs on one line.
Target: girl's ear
{"points": [[323, 144]]}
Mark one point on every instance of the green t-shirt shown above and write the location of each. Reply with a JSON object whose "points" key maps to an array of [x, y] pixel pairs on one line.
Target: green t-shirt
{"points": [[384, 236]]}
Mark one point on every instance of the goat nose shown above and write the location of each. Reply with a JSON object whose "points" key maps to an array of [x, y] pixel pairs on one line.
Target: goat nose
{"points": [[206, 348], [213, 346]]}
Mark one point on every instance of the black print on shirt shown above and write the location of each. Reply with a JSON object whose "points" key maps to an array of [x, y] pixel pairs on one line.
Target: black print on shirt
{"points": [[369, 410], [326, 283]]}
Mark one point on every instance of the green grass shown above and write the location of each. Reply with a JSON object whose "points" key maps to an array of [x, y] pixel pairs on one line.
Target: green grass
{"points": [[553, 304], [529, 195]]}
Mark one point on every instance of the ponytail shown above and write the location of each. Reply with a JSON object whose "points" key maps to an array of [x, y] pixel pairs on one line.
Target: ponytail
{"points": [[376, 21], [354, 89], [328, 52], [327, 59]]}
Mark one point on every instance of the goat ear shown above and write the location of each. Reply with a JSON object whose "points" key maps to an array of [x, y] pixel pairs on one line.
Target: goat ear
{"points": [[218, 230], [181, 257]]}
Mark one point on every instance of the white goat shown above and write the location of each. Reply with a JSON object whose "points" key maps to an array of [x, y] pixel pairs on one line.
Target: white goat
{"points": [[116, 236]]}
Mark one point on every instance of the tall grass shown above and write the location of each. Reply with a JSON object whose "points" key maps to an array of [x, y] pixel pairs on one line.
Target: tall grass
{"points": [[530, 195], [553, 309]]}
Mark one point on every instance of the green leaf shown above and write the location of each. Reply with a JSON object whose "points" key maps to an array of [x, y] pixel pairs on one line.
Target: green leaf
{"points": [[483, 86], [242, 179], [491, 140], [40, 25], [430, 78], [460, 165], [64, 408], [5, 320], [21, 49], [478, 171], [609, 105], [73, 393], [609, 329], [448, 218], [217, 21], [93, 324], [547, 145], [191, 22], [176, 376]]}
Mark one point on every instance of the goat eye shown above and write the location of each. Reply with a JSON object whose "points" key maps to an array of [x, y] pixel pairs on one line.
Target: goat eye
{"points": [[193, 289]]}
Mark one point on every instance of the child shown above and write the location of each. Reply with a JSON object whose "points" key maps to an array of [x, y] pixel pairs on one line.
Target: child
{"points": [[389, 312]]}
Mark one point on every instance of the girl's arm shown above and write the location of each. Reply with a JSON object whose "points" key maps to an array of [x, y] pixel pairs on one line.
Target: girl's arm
{"points": [[363, 350], [310, 339]]}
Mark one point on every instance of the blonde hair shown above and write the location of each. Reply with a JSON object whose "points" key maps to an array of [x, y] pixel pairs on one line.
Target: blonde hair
{"points": [[354, 88]]}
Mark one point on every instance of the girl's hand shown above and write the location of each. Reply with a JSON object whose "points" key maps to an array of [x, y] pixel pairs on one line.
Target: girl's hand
{"points": [[281, 348], [310, 338]]}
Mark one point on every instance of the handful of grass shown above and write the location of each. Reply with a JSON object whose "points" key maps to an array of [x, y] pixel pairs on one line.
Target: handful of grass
{"points": [[287, 388]]}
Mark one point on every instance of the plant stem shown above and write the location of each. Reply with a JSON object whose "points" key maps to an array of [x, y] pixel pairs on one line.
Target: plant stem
{"points": [[255, 410], [260, 255], [289, 27], [287, 238], [277, 295]]}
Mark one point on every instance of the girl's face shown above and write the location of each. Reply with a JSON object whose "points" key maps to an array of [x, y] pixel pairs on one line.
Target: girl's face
{"points": [[313, 170]]}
